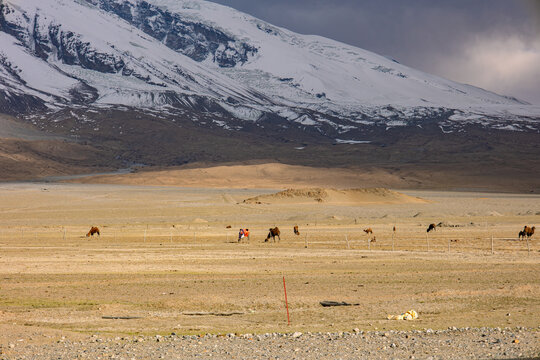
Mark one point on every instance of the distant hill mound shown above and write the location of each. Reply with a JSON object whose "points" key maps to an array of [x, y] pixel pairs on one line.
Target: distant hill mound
{"points": [[335, 196]]}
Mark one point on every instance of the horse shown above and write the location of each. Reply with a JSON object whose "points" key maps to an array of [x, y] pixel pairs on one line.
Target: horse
{"points": [[93, 230], [296, 231], [368, 231], [272, 234]]}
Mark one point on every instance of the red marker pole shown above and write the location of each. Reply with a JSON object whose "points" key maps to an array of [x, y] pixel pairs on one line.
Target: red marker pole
{"points": [[286, 303]]}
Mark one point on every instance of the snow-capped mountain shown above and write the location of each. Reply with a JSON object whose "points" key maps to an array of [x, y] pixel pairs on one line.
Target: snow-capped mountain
{"points": [[172, 55]]}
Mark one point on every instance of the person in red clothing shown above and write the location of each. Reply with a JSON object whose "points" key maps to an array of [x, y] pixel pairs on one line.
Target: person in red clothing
{"points": [[242, 234]]}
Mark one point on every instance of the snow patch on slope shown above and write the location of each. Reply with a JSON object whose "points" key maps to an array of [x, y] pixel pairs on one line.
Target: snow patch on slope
{"points": [[309, 81]]}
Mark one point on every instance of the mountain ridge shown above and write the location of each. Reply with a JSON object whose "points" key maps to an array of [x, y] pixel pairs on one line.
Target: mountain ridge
{"points": [[169, 83], [212, 58]]}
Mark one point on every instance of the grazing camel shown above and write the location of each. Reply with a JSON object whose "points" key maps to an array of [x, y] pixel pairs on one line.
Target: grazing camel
{"points": [[522, 234], [368, 231], [272, 234], [228, 227], [93, 230], [296, 231], [432, 227]]}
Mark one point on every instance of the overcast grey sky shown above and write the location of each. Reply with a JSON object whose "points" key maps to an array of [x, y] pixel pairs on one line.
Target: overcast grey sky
{"points": [[493, 44]]}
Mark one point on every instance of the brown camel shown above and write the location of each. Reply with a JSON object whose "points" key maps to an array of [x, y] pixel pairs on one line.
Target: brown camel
{"points": [[529, 231], [368, 231], [296, 231], [432, 227], [93, 230], [273, 233]]}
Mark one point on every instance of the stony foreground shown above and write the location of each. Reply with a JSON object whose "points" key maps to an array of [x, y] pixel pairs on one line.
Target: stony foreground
{"points": [[454, 343]]}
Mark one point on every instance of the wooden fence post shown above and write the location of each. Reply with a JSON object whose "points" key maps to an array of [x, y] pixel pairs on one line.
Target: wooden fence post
{"points": [[448, 244], [393, 248], [144, 235], [305, 241], [427, 241], [528, 247], [369, 243], [347, 240], [492, 247]]}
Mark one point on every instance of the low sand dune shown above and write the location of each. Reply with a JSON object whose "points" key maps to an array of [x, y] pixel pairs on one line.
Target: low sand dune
{"points": [[335, 196], [268, 175], [273, 175]]}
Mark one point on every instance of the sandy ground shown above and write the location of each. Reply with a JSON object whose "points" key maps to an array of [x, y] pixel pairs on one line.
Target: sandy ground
{"points": [[265, 175], [166, 261], [268, 174], [351, 197]]}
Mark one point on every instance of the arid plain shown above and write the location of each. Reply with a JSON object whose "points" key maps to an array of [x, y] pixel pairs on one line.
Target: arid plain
{"points": [[166, 261]]}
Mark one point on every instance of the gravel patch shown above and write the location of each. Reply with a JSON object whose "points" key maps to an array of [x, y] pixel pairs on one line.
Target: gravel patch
{"points": [[453, 343]]}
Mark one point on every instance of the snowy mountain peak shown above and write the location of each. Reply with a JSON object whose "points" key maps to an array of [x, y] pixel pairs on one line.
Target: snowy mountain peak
{"points": [[169, 55]]}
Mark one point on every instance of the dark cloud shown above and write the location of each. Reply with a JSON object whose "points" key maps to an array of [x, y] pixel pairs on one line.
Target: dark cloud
{"points": [[447, 38]]}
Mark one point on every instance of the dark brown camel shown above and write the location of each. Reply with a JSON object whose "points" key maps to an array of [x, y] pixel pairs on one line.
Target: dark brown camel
{"points": [[296, 231], [432, 227]]}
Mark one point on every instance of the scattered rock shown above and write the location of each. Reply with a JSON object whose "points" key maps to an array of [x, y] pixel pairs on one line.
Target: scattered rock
{"points": [[437, 344]]}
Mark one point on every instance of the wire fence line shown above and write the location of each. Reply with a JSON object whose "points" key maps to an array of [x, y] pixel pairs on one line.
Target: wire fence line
{"points": [[415, 239]]}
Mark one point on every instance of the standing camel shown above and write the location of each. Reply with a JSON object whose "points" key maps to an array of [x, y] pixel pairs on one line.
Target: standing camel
{"points": [[273, 233]]}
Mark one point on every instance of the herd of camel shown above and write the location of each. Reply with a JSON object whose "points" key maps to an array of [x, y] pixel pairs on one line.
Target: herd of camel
{"points": [[526, 232], [273, 232]]}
